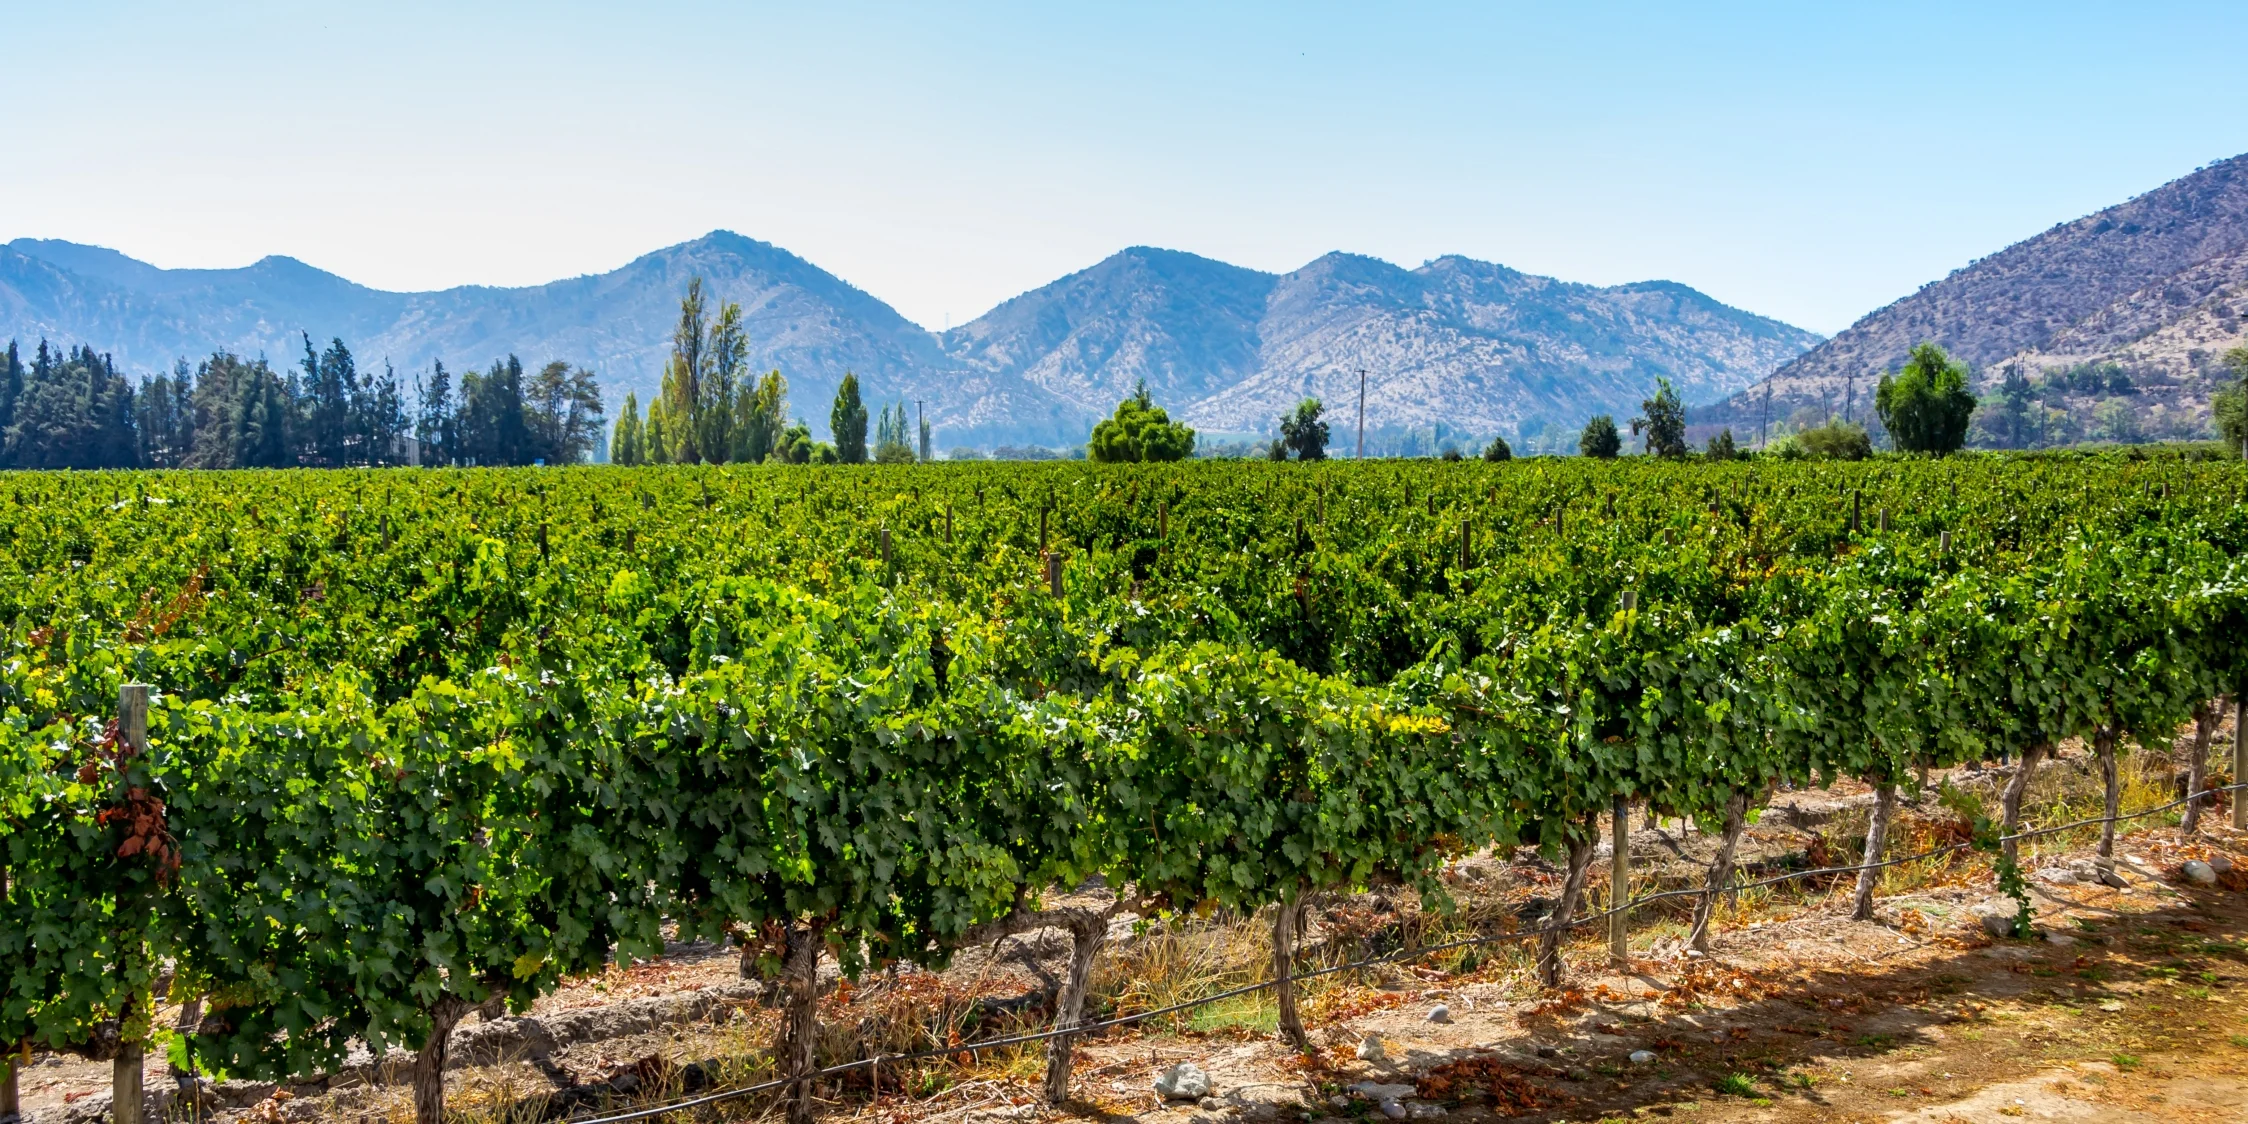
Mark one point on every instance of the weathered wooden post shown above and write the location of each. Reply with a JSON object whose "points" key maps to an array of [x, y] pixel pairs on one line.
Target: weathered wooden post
{"points": [[125, 1072], [1619, 883]]}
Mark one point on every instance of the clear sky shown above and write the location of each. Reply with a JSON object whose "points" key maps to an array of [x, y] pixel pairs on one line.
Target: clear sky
{"points": [[1810, 161]]}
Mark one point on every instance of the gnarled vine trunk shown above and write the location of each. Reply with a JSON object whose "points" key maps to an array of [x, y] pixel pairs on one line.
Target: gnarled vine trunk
{"points": [[1088, 930], [429, 1061], [1720, 869], [2197, 765], [2017, 787], [1877, 839], [2104, 743], [1285, 918], [800, 1020], [1572, 889]]}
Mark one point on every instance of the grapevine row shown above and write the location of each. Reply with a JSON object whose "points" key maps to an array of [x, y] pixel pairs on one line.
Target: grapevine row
{"points": [[426, 741]]}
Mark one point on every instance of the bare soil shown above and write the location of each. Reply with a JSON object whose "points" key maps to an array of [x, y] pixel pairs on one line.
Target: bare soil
{"points": [[2132, 1004]]}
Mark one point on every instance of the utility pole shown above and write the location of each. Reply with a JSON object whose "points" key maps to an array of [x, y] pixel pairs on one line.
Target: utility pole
{"points": [[1362, 413]]}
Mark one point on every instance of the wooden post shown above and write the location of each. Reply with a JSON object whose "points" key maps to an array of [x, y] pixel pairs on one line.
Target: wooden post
{"points": [[1163, 522], [1943, 543], [1854, 509], [1619, 883], [2239, 759], [885, 546], [125, 1073], [1630, 601], [1465, 532], [1884, 516], [1054, 573]]}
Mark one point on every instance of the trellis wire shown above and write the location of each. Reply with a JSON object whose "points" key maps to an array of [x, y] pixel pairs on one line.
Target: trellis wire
{"points": [[1369, 962]]}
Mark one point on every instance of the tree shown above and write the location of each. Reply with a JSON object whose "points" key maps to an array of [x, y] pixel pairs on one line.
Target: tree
{"points": [[561, 414], [683, 378], [1138, 431], [624, 441], [890, 446], [2230, 405], [847, 421], [1837, 441], [1664, 422], [1926, 406], [795, 446], [2016, 411], [331, 381], [433, 429], [75, 411], [1498, 450], [1600, 438], [758, 414], [716, 406], [493, 427], [164, 418], [1721, 447], [2115, 420], [11, 386], [1302, 433], [655, 436]]}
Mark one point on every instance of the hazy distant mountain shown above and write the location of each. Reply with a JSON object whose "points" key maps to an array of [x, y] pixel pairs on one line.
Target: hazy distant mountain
{"points": [[2157, 285], [1473, 346]]}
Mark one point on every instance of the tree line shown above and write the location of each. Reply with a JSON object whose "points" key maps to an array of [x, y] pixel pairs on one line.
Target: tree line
{"points": [[71, 408], [712, 409]]}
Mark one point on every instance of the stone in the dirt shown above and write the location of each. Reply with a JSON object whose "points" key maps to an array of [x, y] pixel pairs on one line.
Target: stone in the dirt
{"points": [[2111, 1005], [1377, 1091], [2061, 939], [1393, 1110], [1642, 1057], [1423, 1111], [2113, 880], [1443, 1014], [2085, 870], [2220, 864], [2199, 873], [2056, 876], [1182, 1082], [1370, 1049], [1212, 1104], [1996, 917]]}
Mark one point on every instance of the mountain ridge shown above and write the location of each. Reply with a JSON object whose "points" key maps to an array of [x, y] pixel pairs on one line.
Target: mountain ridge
{"points": [[1470, 346], [2156, 285]]}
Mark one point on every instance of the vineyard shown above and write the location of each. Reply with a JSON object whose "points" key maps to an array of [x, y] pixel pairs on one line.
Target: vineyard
{"points": [[417, 743]]}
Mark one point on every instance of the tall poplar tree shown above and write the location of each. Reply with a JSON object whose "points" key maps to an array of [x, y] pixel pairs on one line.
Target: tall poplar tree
{"points": [[847, 420]]}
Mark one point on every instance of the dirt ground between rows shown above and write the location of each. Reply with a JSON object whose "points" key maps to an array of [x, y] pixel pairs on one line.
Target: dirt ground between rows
{"points": [[2131, 1005]]}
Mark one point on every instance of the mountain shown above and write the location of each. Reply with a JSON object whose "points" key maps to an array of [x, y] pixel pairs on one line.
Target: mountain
{"points": [[1474, 347], [2156, 286]]}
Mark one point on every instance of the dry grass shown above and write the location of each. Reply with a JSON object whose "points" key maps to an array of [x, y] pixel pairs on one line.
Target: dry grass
{"points": [[1188, 958]]}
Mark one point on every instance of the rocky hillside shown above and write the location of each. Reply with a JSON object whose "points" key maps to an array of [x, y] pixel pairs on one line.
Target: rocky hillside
{"points": [[1475, 347], [2156, 286]]}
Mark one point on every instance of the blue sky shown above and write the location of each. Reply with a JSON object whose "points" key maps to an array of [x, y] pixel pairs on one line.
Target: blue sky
{"points": [[1807, 161]]}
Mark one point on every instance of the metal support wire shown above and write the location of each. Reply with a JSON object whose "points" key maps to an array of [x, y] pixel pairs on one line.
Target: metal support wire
{"points": [[1356, 965]]}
